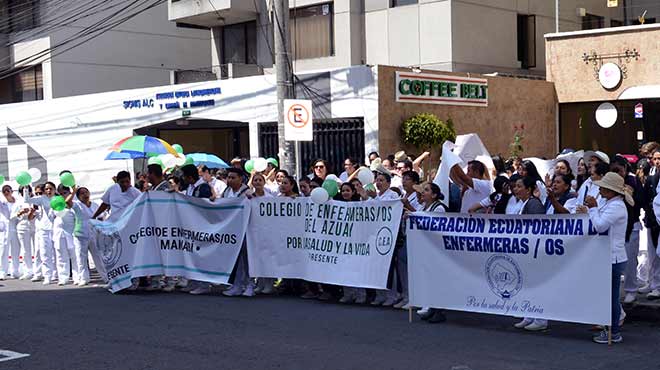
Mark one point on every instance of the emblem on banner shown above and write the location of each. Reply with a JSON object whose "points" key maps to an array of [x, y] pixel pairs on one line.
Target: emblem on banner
{"points": [[110, 248], [384, 240], [504, 276]]}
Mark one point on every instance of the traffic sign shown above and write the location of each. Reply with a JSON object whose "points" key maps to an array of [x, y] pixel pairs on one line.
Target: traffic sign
{"points": [[639, 110], [298, 120]]}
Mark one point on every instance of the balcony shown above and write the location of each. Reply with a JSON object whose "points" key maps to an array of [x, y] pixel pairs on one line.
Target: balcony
{"points": [[211, 13]]}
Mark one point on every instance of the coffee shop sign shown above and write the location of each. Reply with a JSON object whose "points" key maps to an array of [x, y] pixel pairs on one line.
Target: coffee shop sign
{"points": [[168, 100], [441, 89]]}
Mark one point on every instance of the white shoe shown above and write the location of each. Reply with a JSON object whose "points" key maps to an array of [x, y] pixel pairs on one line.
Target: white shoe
{"points": [[47, 282], [36, 279], [402, 303], [646, 289], [629, 298], [653, 295], [423, 311], [622, 317], [83, 283], [3, 276], [61, 283], [249, 291], [537, 326], [523, 323], [25, 277], [203, 289], [234, 291]]}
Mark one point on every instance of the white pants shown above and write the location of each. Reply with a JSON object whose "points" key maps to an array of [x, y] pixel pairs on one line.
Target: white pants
{"points": [[65, 255], [654, 264], [81, 246], [4, 253], [25, 245], [631, 284], [45, 253]]}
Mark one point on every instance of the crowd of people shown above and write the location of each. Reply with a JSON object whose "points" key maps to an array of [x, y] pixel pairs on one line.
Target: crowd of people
{"points": [[616, 193]]}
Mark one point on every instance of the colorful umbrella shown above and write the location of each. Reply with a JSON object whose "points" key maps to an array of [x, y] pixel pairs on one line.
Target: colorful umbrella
{"points": [[126, 155], [208, 160], [143, 144]]}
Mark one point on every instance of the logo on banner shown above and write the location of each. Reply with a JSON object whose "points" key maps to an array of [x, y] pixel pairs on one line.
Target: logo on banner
{"points": [[504, 276], [384, 241], [110, 247]]}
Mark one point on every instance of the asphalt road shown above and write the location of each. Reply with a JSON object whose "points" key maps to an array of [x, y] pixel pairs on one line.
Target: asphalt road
{"points": [[89, 328]]}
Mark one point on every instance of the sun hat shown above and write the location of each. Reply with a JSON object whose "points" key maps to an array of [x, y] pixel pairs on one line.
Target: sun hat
{"points": [[613, 181], [381, 169], [400, 156], [375, 163], [598, 154]]}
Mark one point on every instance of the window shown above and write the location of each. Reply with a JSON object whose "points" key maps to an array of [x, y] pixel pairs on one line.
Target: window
{"points": [[28, 85], [592, 22], [239, 43], [19, 15], [527, 41], [395, 3], [312, 32], [615, 23]]}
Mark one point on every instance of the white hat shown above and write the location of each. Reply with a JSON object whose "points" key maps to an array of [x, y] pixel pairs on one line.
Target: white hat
{"points": [[598, 154], [613, 181]]}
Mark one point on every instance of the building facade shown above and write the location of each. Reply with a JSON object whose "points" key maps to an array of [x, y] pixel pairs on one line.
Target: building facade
{"points": [[51, 49], [477, 36]]}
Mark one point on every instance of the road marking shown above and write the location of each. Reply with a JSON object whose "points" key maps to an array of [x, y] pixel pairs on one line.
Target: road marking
{"points": [[6, 355]]}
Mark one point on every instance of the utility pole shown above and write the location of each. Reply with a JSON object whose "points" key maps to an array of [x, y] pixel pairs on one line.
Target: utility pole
{"points": [[284, 75]]}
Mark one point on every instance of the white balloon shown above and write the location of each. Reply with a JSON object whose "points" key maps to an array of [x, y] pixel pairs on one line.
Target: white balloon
{"points": [[260, 164], [35, 174], [319, 195], [83, 179], [365, 176], [61, 214]]}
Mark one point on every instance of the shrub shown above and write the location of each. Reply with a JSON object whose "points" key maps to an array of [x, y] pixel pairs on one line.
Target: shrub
{"points": [[425, 130]]}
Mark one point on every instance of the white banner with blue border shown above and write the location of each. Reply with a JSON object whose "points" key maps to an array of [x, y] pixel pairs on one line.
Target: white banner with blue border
{"points": [[173, 235], [553, 267]]}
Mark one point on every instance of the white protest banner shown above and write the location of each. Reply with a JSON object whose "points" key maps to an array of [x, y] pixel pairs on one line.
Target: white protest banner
{"points": [[548, 267], [173, 235], [343, 243]]}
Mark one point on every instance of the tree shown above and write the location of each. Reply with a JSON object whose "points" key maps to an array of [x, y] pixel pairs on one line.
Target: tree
{"points": [[425, 130]]}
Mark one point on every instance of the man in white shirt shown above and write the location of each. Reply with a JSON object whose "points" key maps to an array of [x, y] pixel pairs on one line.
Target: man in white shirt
{"points": [[475, 188], [118, 197], [218, 186]]}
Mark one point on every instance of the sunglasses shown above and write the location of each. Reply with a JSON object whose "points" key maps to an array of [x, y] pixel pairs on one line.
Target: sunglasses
{"points": [[39, 193], [319, 166]]}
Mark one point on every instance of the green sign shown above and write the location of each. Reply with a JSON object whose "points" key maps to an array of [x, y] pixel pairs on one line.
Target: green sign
{"points": [[441, 89]]}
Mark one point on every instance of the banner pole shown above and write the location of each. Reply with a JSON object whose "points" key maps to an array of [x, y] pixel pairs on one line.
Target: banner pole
{"points": [[609, 335], [410, 316]]}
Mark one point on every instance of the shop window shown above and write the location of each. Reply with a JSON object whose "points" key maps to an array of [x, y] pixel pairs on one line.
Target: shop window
{"points": [[239, 43], [19, 15], [312, 31], [592, 22], [527, 41], [395, 3], [28, 85]]}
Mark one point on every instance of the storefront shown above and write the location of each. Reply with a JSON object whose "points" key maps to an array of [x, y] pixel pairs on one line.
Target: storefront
{"points": [[608, 87]]}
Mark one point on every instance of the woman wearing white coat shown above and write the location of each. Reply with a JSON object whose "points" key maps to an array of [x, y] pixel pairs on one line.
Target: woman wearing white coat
{"points": [[44, 233], [22, 214], [83, 209], [65, 255], [10, 244]]}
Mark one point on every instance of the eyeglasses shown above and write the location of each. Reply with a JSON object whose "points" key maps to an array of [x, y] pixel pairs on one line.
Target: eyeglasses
{"points": [[38, 193], [321, 166]]}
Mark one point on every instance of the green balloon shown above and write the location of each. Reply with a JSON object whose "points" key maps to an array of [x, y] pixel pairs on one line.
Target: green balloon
{"points": [[188, 161], [273, 161], [23, 178], [331, 187], [58, 203], [67, 179], [2, 179], [249, 166], [150, 155], [178, 148]]}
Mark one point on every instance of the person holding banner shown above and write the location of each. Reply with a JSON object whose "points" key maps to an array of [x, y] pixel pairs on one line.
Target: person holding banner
{"points": [[63, 227], [432, 197], [117, 197], [560, 199], [83, 209], [611, 215], [531, 205], [320, 169], [528, 169], [348, 193], [44, 230], [475, 186], [264, 285]]}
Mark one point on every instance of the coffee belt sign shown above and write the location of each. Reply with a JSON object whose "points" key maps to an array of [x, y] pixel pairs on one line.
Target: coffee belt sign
{"points": [[440, 89]]}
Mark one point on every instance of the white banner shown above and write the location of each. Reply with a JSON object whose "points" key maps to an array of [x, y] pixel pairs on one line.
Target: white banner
{"points": [[343, 243], [547, 267], [173, 235]]}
